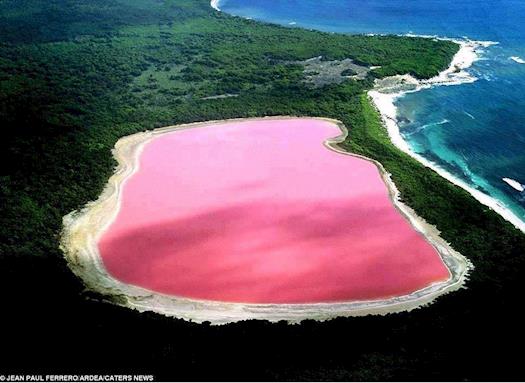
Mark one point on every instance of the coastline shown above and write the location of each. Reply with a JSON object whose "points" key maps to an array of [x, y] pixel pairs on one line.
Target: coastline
{"points": [[83, 229], [384, 97]]}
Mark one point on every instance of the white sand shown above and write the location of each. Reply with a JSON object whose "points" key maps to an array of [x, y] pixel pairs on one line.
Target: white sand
{"points": [[83, 229], [215, 4]]}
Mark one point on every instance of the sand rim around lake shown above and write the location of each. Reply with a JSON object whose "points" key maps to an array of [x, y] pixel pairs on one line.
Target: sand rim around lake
{"points": [[83, 230]]}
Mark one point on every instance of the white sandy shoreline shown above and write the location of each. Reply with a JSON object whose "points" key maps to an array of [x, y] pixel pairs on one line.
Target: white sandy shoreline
{"points": [[83, 229], [384, 100]]}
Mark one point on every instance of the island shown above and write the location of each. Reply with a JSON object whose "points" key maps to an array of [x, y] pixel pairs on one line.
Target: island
{"points": [[79, 79]]}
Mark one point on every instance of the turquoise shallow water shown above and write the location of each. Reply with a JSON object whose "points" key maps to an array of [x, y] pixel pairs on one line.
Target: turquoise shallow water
{"points": [[475, 131]]}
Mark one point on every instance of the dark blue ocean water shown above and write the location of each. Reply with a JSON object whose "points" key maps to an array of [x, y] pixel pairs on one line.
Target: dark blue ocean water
{"points": [[475, 131]]}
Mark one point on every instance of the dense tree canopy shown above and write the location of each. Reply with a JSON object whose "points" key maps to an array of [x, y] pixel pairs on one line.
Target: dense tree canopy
{"points": [[75, 75]]}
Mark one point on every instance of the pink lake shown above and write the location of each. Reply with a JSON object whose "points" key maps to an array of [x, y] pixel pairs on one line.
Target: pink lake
{"points": [[262, 212]]}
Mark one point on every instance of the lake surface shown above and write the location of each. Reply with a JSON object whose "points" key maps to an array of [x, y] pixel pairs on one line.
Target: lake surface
{"points": [[474, 131], [263, 212]]}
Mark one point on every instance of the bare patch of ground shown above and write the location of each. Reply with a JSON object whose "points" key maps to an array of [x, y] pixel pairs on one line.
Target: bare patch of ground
{"points": [[320, 72], [219, 96]]}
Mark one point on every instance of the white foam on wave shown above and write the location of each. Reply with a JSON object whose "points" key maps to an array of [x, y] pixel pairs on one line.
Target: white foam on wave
{"points": [[515, 184], [470, 115], [423, 127], [455, 74], [517, 59]]}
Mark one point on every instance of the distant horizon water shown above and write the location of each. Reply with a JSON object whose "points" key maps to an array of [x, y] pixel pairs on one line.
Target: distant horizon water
{"points": [[475, 131]]}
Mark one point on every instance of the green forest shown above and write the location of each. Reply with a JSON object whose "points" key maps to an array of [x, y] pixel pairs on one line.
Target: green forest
{"points": [[76, 75]]}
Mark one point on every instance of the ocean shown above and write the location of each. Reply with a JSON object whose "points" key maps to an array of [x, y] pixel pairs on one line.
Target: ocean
{"points": [[474, 132]]}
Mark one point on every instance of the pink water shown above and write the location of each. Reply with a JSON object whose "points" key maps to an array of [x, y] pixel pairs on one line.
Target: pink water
{"points": [[263, 212]]}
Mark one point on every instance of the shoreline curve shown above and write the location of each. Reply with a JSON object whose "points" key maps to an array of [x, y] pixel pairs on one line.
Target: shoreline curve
{"points": [[383, 98], [82, 230]]}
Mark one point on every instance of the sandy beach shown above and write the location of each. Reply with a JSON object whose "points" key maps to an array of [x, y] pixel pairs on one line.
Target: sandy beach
{"points": [[215, 4], [384, 98], [83, 229]]}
